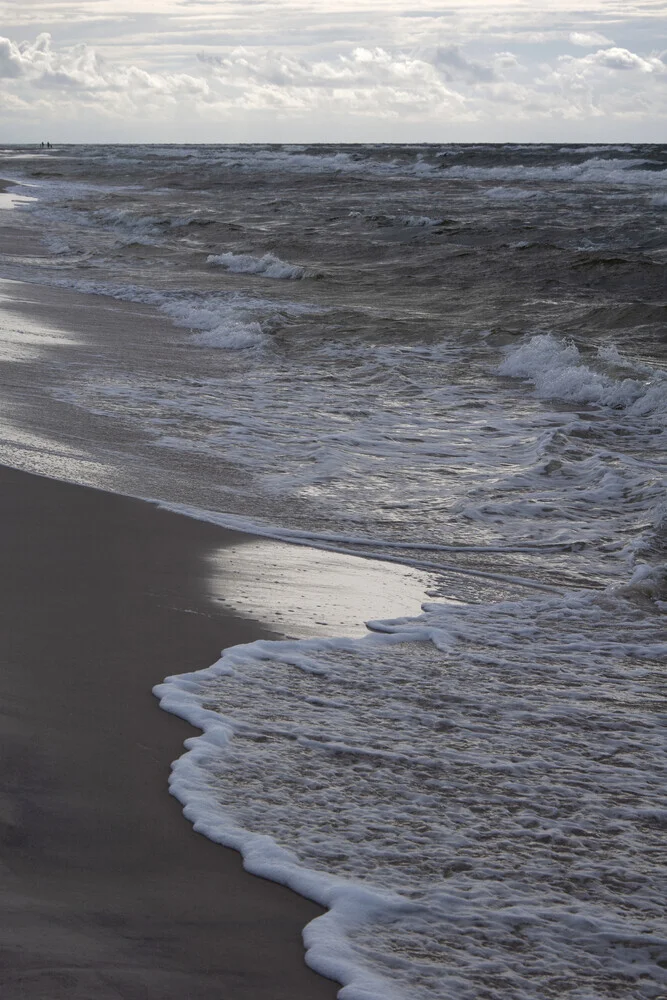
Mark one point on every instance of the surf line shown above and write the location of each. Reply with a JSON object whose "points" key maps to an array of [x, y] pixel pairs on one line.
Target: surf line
{"points": [[313, 542]]}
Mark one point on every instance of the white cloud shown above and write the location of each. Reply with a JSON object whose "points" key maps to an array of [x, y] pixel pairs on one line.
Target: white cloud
{"points": [[365, 81], [178, 68], [11, 62], [616, 58], [589, 39], [613, 84], [82, 69], [613, 59]]}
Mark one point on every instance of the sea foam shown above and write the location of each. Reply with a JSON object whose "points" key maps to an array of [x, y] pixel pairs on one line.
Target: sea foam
{"points": [[475, 799], [269, 266], [558, 371], [628, 172]]}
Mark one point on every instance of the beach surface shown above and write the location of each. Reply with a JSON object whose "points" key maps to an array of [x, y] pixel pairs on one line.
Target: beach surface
{"points": [[106, 890]]}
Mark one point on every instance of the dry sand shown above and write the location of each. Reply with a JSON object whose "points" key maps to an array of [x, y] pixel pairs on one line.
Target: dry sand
{"points": [[106, 890]]}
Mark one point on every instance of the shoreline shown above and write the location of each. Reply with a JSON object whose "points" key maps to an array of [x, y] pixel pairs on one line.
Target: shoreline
{"points": [[108, 890]]}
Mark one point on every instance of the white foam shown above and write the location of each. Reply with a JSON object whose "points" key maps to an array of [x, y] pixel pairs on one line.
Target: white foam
{"points": [[221, 324], [517, 477], [419, 221], [475, 794], [231, 322], [412, 221], [558, 371], [269, 266], [601, 148], [622, 172], [293, 160]]}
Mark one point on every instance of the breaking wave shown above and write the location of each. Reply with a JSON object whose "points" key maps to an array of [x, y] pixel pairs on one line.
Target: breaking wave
{"points": [[269, 266]]}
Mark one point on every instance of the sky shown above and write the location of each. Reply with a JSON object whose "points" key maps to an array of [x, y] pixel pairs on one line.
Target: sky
{"points": [[318, 71]]}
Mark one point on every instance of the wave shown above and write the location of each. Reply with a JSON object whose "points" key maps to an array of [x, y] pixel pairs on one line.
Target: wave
{"points": [[626, 172], [230, 322], [409, 221], [558, 371], [522, 477], [220, 325], [269, 266], [184, 165]]}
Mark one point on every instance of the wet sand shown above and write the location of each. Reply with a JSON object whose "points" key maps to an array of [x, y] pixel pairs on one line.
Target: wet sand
{"points": [[106, 890]]}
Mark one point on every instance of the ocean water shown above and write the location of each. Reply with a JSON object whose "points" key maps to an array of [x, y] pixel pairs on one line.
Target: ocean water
{"points": [[450, 358]]}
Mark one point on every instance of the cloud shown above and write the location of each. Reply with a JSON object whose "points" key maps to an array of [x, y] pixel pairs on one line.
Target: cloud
{"points": [[362, 67], [364, 81], [613, 83], [82, 69], [454, 65], [616, 58], [430, 86], [613, 59], [11, 63], [588, 40]]}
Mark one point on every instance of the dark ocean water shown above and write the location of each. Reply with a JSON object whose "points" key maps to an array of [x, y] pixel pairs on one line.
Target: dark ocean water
{"points": [[452, 357]]}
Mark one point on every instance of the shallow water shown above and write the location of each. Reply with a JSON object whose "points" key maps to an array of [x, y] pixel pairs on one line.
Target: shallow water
{"points": [[452, 359]]}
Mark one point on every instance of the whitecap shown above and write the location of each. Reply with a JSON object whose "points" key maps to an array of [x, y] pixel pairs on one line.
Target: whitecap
{"points": [[269, 266]]}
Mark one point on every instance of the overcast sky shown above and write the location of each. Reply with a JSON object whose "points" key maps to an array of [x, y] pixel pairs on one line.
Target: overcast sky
{"points": [[315, 70]]}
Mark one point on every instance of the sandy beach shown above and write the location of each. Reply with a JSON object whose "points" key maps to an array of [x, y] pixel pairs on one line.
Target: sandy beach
{"points": [[106, 890]]}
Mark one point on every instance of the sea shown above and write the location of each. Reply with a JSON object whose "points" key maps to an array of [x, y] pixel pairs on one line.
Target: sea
{"points": [[446, 359]]}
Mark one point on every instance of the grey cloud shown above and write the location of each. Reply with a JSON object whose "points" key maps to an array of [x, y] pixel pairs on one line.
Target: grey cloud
{"points": [[453, 65], [617, 58], [57, 78]]}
